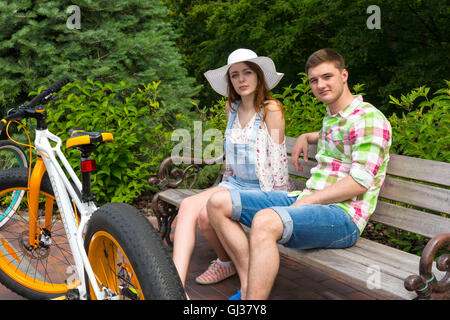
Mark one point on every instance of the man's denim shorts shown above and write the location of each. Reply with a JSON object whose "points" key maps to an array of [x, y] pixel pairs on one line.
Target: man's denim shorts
{"points": [[305, 226]]}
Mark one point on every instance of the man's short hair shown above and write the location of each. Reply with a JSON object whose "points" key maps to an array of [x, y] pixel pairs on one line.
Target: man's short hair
{"points": [[325, 55]]}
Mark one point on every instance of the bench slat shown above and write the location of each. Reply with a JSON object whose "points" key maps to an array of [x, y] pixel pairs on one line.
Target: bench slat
{"points": [[307, 166], [426, 224], [394, 257], [417, 194], [420, 169], [174, 196], [296, 184]]}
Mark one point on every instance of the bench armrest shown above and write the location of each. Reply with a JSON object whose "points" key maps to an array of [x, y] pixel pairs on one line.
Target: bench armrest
{"points": [[173, 178], [425, 284]]}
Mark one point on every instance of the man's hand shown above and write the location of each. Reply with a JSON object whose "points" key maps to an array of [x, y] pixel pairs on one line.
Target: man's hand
{"points": [[301, 147], [300, 202]]}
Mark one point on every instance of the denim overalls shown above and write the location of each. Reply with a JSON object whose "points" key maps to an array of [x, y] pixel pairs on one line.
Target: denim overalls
{"points": [[241, 156]]}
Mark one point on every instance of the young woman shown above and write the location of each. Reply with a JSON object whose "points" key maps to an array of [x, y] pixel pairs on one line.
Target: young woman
{"points": [[255, 153]]}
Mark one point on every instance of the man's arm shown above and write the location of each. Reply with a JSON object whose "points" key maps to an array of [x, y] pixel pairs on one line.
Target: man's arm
{"points": [[340, 191], [301, 146]]}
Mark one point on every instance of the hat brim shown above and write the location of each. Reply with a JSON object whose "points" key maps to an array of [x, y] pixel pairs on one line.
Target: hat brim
{"points": [[218, 81]]}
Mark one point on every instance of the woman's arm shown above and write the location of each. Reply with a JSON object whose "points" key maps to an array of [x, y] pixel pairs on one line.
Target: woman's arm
{"points": [[275, 121]]}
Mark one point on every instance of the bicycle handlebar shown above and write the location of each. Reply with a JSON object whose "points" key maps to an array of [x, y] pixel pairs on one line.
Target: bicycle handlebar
{"points": [[43, 97], [28, 110]]}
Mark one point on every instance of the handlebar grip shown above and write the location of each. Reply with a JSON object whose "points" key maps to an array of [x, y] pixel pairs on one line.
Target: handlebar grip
{"points": [[59, 84], [53, 88]]}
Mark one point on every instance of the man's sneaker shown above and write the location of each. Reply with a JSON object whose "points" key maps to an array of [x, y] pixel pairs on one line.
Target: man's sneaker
{"points": [[236, 296], [215, 273]]}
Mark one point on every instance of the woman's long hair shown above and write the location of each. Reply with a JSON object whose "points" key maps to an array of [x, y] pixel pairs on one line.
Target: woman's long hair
{"points": [[262, 93]]}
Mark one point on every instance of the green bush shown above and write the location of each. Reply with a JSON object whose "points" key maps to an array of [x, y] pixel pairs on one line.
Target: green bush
{"points": [[130, 40], [303, 111], [140, 122], [423, 132]]}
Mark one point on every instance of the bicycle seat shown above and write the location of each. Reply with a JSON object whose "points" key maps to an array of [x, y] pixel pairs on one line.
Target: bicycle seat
{"points": [[80, 137]]}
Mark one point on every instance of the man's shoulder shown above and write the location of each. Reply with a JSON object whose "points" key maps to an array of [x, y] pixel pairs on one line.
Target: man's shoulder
{"points": [[368, 110]]}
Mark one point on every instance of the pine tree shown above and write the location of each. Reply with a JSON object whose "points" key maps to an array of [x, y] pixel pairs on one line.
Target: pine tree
{"points": [[121, 40]]}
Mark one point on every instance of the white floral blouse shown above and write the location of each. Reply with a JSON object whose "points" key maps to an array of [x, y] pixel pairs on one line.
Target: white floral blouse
{"points": [[271, 159]]}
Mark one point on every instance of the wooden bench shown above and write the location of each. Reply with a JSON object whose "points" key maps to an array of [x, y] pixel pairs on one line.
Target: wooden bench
{"points": [[412, 189]]}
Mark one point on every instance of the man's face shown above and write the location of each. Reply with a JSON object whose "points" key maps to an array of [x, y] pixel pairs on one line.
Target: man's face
{"points": [[327, 82]]}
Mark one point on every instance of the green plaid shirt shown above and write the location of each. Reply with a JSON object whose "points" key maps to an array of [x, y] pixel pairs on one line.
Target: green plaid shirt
{"points": [[354, 142]]}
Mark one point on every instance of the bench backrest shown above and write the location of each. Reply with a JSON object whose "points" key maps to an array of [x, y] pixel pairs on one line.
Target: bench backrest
{"points": [[413, 197]]}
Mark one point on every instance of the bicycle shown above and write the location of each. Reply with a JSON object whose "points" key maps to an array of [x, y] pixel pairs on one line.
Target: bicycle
{"points": [[74, 250]]}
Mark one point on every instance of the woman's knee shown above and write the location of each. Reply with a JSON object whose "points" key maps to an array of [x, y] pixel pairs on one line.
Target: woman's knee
{"points": [[203, 220], [188, 209]]}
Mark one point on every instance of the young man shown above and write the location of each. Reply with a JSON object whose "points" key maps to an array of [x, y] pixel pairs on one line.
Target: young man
{"points": [[341, 194]]}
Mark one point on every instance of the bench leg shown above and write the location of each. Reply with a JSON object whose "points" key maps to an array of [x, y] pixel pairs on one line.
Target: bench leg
{"points": [[165, 214], [426, 285]]}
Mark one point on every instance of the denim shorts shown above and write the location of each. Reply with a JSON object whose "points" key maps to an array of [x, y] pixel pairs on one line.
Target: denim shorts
{"points": [[305, 226], [239, 184]]}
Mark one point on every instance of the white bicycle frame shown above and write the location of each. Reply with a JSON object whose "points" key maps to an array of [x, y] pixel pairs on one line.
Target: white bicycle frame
{"points": [[62, 189]]}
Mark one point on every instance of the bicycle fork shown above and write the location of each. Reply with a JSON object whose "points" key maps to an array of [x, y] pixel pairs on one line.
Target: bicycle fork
{"points": [[34, 186]]}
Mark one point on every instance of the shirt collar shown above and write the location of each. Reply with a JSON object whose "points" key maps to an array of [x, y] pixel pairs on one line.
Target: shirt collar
{"points": [[348, 110]]}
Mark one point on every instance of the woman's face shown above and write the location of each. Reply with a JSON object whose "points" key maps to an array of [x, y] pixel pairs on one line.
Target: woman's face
{"points": [[243, 78]]}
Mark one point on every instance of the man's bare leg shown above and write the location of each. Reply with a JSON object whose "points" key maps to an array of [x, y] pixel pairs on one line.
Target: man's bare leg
{"points": [[267, 229], [230, 233]]}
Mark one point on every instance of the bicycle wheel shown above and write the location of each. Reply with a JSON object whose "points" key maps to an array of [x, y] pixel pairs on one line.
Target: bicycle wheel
{"points": [[35, 273], [128, 257], [11, 156]]}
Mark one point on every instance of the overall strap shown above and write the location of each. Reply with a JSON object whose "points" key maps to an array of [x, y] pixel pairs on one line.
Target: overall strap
{"points": [[258, 121], [232, 116], [252, 145]]}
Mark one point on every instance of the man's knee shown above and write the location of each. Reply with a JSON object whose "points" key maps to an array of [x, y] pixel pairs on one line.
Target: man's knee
{"points": [[219, 204], [266, 224]]}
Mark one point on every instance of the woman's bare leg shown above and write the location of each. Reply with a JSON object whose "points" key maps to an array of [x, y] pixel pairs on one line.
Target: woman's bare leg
{"points": [[185, 230]]}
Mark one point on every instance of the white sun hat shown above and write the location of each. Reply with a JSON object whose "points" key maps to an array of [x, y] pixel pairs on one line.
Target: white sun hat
{"points": [[217, 77]]}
